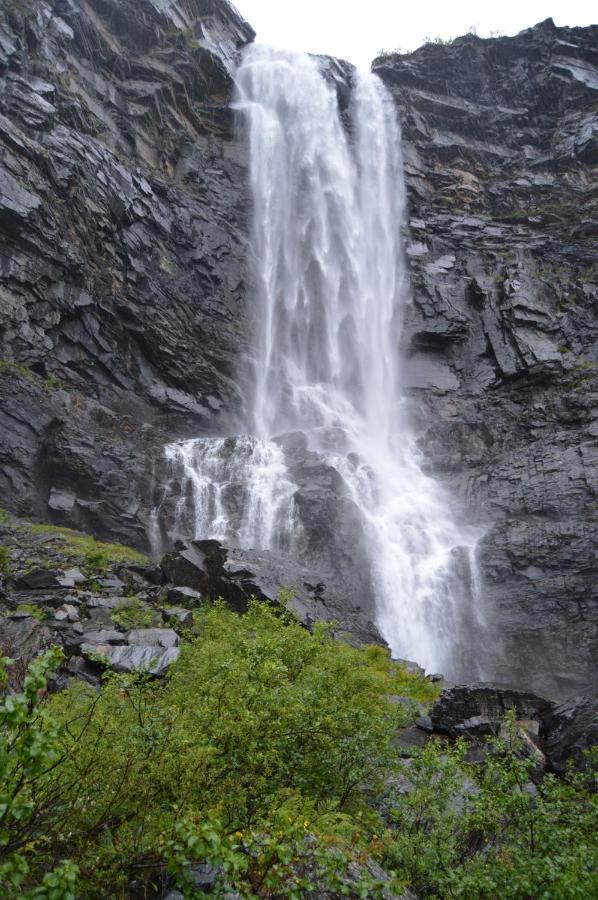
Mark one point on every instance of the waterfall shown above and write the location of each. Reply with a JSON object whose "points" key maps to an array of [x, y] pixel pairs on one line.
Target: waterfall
{"points": [[329, 203]]}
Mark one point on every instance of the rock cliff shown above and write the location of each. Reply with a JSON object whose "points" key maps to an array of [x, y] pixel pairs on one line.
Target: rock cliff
{"points": [[124, 284], [122, 247]]}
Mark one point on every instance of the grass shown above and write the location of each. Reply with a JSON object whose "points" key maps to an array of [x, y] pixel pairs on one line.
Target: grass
{"points": [[10, 367], [83, 550]]}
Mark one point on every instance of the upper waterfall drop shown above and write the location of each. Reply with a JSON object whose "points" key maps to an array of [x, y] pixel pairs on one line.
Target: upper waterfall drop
{"points": [[332, 286]]}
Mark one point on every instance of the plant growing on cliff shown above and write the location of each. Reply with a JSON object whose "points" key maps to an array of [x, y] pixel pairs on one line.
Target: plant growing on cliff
{"points": [[131, 613], [263, 732], [81, 549], [487, 831], [5, 561]]}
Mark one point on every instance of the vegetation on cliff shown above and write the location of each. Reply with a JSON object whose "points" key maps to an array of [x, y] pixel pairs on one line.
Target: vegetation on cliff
{"points": [[266, 761]]}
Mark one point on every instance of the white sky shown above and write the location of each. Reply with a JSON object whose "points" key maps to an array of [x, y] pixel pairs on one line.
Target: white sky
{"points": [[357, 29]]}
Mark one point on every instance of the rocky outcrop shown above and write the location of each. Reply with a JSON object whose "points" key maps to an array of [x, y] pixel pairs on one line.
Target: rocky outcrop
{"points": [[500, 144], [488, 702], [571, 728], [107, 605], [211, 570], [122, 248], [555, 737]]}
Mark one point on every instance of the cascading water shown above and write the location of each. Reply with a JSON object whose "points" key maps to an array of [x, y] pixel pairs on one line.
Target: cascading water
{"points": [[329, 197]]}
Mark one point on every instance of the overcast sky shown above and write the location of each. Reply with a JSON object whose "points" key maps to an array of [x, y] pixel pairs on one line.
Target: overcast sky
{"points": [[357, 29]]}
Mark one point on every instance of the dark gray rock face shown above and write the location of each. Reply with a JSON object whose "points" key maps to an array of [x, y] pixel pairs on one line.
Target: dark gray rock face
{"points": [[122, 248], [465, 703], [555, 736], [571, 728], [501, 340], [238, 575]]}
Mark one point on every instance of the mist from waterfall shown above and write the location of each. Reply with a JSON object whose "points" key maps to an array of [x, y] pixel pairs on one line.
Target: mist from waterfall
{"points": [[329, 204]]}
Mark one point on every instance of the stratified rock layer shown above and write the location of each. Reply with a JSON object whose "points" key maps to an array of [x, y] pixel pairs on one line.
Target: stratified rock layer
{"points": [[501, 153], [122, 248]]}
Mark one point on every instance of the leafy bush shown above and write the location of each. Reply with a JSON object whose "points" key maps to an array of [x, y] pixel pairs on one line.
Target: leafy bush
{"points": [[261, 735], [268, 753], [29, 751], [487, 831], [96, 561], [130, 613]]}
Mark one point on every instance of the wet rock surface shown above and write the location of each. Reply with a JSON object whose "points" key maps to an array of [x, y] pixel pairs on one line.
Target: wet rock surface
{"points": [[571, 727], [238, 575], [501, 339]]}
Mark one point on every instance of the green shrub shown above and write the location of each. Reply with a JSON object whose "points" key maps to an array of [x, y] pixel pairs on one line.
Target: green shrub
{"points": [[261, 735], [96, 561], [485, 831], [268, 752], [5, 561], [30, 748], [130, 613]]}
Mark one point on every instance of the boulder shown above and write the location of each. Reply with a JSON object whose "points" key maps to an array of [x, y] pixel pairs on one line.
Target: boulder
{"points": [[67, 613], [569, 729], [105, 636], [190, 563], [153, 637], [177, 615], [37, 580], [185, 596], [23, 638], [481, 707], [150, 572], [138, 658]]}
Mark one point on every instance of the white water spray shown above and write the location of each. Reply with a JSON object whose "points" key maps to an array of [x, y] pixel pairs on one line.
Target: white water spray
{"points": [[329, 201]]}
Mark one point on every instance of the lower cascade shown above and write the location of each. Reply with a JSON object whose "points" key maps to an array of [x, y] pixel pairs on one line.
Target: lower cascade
{"points": [[331, 289]]}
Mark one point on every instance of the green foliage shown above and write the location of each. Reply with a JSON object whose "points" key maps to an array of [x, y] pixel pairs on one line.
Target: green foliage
{"points": [[32, 610], [83, 550], [486, 832], [96, 561], [268, 752], [10, 367], [130, 613], [30, 749], [5, 561], [52, 383], [261, 736], [4, 517]]}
